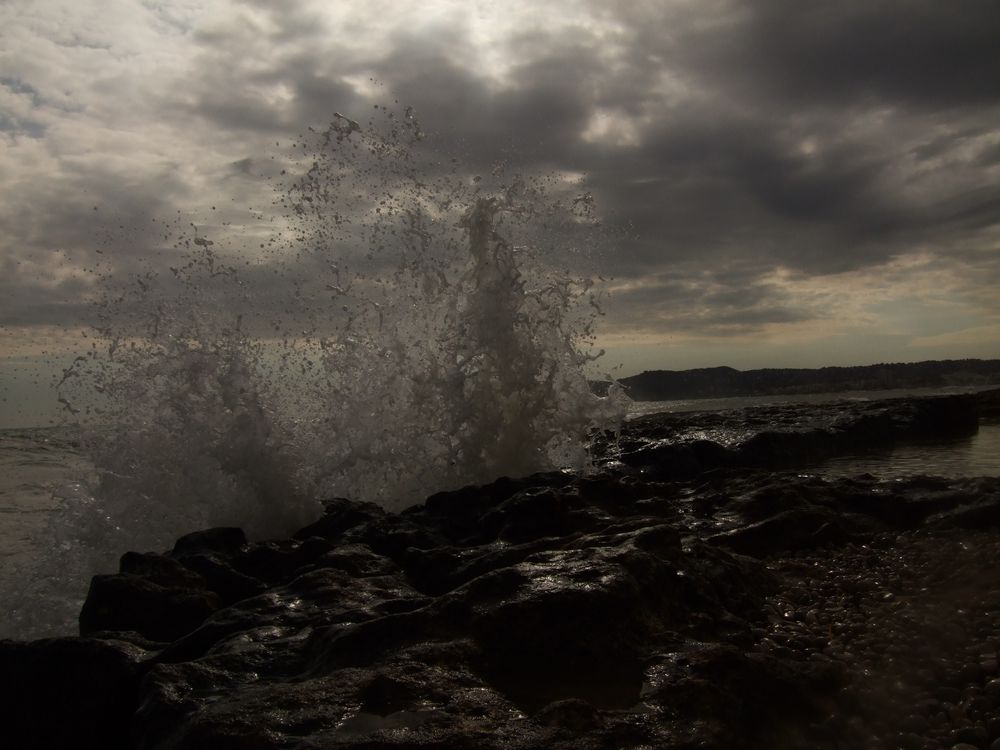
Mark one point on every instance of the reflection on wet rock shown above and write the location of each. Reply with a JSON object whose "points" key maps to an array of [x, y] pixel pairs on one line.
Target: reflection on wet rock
{"points": [[660, 602]]}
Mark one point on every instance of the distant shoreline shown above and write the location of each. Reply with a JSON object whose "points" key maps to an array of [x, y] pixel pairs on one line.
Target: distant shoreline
{"points": [[727, 382]]}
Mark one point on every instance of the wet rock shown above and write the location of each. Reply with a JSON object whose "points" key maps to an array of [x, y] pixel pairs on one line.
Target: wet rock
{"points": [[973, 735], [220, 577], [786, 436], [224, 540], [535, 513], [914, 724], [949, 694], [683, 598], [680, 460], [130, 602], [358, 560], [68, 692], [457, 513], [339, 516], [980, 513], [571, 625], [573, 714], [787, 448], [804, 528], [989, 403]]}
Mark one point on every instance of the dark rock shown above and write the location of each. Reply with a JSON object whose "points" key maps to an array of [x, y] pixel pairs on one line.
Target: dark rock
{"points": [[911, 741], [68, 693], [754, 698], [671, 446], [536, 513], [989, 403], [993, 726], [392, 536], [947, 416], [895, 510], [275, 562], [358, 560], [569, 625], [782, 449], [682, 598], [456, 514], [340, 515], [975, 736], [678, 460], [915, 724], [806, 528], [220, 577], [948, 694], [223, 540], [572, 714], [984, 513], [133, 603], [992, 688], [159, 569]]}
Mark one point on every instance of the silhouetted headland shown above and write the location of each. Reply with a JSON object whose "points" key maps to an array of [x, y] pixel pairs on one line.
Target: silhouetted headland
{"points": [[725, 382]]}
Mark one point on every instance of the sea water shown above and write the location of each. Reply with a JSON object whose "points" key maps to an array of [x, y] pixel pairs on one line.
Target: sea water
{"points": [[640, 408], [43, 473], [416, 330], [975, 455]]}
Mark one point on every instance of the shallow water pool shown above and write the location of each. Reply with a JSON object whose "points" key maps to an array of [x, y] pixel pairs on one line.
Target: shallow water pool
{"points": [[973, 456]]}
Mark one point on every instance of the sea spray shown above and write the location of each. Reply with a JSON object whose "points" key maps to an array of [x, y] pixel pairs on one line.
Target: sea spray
{"points": [[172, 413], [426, 336], [454, 347]]}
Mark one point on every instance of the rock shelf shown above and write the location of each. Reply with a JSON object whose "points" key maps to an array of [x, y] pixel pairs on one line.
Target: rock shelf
{"points": [[693, 593]]}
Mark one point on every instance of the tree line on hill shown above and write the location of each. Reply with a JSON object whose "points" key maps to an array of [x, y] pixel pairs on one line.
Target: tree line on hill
{"points": [[725, 382]]}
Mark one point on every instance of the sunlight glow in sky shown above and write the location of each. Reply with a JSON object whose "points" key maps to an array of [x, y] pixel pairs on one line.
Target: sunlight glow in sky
{"points": [[792, 184]]}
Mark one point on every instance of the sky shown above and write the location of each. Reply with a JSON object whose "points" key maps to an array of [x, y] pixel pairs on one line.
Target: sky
{"points": [[792, 184]]}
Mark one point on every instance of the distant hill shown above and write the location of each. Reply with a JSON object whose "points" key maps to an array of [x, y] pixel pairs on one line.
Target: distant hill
{"points": [[724, 382]]}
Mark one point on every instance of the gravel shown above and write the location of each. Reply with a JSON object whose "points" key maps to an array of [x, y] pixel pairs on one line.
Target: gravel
{"points": [[914, 622]]}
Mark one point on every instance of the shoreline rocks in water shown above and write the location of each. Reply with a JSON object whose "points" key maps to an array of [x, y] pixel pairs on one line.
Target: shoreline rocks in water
{"points": [[794, 435], [723, 602]]}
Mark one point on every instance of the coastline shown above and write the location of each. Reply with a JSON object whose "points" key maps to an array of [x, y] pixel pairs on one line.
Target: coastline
{"points": [[690, 593]]}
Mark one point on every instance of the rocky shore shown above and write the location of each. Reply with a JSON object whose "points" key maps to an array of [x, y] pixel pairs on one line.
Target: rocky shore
{"points": [[703, 589]]}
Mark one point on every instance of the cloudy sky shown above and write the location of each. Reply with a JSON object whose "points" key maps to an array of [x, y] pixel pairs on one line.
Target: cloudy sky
{"points": [[795, 184]]}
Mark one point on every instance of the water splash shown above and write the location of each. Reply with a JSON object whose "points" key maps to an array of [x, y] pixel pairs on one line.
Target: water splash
{"points": [[417, 332], [457, 351]]}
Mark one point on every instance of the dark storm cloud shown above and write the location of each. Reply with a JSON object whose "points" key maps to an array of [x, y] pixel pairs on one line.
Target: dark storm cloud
{"points": [[914, 52], [706, 308], [723, 140], [238, 101], [773, 162], [969, 210], [92, 213], [534, 123], [738, 183]]}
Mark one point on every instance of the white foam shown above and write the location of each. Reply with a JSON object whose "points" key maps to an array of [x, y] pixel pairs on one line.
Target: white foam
{"points": [[430, 343]]}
